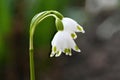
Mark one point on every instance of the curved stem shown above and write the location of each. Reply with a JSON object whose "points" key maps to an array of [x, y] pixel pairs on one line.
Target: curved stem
{"points": [[34, 24], [36, 19]]}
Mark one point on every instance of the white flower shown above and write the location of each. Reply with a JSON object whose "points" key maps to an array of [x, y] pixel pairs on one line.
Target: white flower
{"points": [[72, 26], [63, 42]]}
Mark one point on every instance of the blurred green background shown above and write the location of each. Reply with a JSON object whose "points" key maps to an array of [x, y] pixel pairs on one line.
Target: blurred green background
{"points": [[100, 45]]}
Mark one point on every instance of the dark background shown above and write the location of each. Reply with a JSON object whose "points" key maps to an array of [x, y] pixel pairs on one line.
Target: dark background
{"points": [[100, 45]]}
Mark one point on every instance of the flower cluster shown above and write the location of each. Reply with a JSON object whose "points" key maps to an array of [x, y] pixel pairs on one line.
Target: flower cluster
{"points": [[63, 40]]}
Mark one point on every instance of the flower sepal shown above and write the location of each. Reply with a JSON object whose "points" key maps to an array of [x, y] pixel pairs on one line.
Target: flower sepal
{"points": [[59, 24]]}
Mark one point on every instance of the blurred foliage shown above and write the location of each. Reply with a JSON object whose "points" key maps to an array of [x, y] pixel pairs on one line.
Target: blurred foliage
{"points": [[5, 17], [5, 26]]}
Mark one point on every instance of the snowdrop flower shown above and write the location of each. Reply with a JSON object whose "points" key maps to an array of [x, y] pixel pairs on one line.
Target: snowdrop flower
{"points": [[72, 26], [63, 42]]}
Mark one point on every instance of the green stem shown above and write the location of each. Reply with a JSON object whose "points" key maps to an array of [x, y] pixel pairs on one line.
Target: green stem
{"points": [[32, 72], [31, 57], [37, 19]]}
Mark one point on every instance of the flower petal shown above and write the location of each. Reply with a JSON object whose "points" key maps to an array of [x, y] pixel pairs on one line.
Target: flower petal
{"points": [[71, 25], [73, 35], [52, 54], [58, 54], [76, 48], [63, 42], [80, 29]]}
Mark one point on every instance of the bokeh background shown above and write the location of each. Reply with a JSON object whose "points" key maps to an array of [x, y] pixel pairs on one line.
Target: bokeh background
{"points": [[100, 45]]}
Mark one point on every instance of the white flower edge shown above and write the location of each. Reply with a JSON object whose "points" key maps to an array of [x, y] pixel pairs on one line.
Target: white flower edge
{"points": [[63, 42], [72, 26]]}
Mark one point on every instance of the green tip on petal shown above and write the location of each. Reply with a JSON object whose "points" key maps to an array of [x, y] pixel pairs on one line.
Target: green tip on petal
{"points": [[80, 29], [54, 49], [58, 53], [52, 54], [67, 51], [77, 49], [73, 35]]}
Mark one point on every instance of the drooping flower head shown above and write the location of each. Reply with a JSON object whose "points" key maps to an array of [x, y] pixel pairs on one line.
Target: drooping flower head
{"points": [[63, 42]]}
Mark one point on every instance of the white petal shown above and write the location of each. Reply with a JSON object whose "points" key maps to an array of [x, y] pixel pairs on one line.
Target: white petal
{"points": [[52, 54], [63, 42], [76, 48], [59, 40], [71, 25]]}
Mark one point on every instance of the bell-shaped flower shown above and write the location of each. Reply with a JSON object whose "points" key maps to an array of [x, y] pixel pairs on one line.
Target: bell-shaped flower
{"points": [[63, 42], [72, 26]]}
